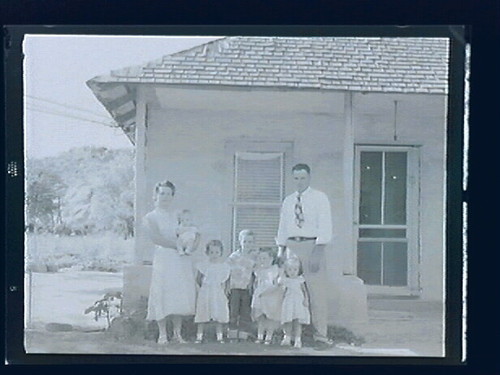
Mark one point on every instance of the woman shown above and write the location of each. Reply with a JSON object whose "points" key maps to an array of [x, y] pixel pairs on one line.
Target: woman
{"points": [[173, 291]]}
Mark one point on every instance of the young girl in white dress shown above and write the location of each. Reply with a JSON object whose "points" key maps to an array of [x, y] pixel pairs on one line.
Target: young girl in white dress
{"points": [[295, 307], [267, 296], [212, 302]]}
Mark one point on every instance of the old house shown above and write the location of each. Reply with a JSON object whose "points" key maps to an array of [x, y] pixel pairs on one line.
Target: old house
{"points": [[226, 121]]}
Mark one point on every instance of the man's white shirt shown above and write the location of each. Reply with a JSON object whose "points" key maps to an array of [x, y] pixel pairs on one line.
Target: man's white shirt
{"points": [[317, 217]]}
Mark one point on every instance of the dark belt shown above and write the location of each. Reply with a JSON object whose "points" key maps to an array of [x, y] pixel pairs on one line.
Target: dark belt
{"points": [[301, 239]]}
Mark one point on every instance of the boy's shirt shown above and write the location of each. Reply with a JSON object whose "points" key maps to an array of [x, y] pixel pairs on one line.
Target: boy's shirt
{"points": [[242, 267]]}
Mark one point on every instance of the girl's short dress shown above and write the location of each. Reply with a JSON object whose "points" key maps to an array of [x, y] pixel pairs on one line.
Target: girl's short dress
{"points": [[293, 301], [267, 297], [212, 303]]}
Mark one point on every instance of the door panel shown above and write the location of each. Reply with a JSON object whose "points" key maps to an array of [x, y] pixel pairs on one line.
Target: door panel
{"points": [[371, 188], [395, 186]]}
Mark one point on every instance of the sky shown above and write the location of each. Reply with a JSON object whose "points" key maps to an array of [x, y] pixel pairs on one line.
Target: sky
{"points": [[61, 112]]}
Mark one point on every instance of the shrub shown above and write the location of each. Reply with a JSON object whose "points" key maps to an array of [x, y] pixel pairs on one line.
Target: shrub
{"points": [[109, 307]]}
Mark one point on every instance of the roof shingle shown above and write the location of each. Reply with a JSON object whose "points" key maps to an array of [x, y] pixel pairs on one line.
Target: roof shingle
{"points": [[315, 62], [398, 65]]}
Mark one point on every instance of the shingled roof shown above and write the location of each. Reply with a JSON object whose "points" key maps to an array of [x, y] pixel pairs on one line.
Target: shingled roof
{"points": [[392, 65]]}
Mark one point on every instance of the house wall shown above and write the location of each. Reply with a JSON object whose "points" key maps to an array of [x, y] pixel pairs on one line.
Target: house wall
{"points": [[187, 132]]}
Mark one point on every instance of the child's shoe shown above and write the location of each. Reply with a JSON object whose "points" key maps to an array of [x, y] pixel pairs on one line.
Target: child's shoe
{"points": [[286, 341], [199, 340], [298, 343], [178, 339], [220, 339]]}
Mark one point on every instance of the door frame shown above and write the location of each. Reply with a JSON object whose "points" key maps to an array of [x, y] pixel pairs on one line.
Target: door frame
{"points": [[412, 220]]}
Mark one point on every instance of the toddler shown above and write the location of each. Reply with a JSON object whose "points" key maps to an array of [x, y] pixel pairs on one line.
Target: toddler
{"points": [[295, 307], [267, 296], [187, 233], [212, 303], [242, 262]]}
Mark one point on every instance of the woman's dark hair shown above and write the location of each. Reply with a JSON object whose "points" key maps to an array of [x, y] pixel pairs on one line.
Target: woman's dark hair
{"points": [[214, 243], [165, 183], [301, 167]]}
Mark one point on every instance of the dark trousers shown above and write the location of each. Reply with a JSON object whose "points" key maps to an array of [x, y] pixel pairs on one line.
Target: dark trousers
{"points": [[239, 309]]}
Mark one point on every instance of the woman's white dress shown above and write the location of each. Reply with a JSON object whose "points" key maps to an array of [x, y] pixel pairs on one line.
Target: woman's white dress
{"points": [[212, 303], [173, 287], [293, 301]]}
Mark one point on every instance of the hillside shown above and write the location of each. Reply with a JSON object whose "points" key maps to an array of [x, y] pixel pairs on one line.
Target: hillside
{"points": [[84, 190]]}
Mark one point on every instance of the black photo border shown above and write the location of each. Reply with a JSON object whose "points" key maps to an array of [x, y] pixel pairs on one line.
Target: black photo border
{"points": [[482, 20], [454, 193]]}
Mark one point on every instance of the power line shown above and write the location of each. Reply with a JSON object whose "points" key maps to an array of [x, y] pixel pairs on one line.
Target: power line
{"points": [[68, 115], [66, 106]]}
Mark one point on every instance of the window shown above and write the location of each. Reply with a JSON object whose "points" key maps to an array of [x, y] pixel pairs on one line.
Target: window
{"points": [[258, 193]]}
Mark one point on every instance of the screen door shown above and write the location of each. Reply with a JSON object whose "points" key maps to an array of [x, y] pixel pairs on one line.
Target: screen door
{"points": [[386, 217]]}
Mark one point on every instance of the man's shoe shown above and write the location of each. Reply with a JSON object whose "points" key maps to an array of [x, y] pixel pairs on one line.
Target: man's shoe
{"points": [[162, 340], [323, 339]]}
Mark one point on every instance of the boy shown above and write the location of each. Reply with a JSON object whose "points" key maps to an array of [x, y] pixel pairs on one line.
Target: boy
{"points": [[242, 263]]}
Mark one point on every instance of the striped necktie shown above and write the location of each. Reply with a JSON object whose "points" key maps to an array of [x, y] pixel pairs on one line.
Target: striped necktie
{"points": [[299, 212]]}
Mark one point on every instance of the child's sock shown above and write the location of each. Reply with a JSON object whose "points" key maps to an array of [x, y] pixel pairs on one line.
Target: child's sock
{"points": [[260, 333], [269, 337]]}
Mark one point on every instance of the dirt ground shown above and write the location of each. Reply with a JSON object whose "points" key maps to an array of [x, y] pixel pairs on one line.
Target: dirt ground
{"points": [[395, 327], [413, 325], [101, 343]]}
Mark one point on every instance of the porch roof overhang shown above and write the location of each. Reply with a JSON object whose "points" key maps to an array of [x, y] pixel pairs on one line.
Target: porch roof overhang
{"points": [[386, 65]]}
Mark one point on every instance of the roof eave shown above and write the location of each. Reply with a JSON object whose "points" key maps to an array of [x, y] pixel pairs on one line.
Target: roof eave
{"points": [[118, 98]]}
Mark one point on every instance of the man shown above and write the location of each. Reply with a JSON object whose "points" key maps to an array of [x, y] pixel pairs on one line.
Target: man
{"points": [[305, 228]]}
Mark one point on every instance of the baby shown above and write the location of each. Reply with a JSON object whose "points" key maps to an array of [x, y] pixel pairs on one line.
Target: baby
{"points": [[187, 233]]}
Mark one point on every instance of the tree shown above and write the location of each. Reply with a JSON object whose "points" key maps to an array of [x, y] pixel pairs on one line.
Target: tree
{"points": [[43, 199]]}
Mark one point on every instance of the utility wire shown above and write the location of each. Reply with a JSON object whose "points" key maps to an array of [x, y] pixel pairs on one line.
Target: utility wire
{"points": [[68, 115], [66, 106]]}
